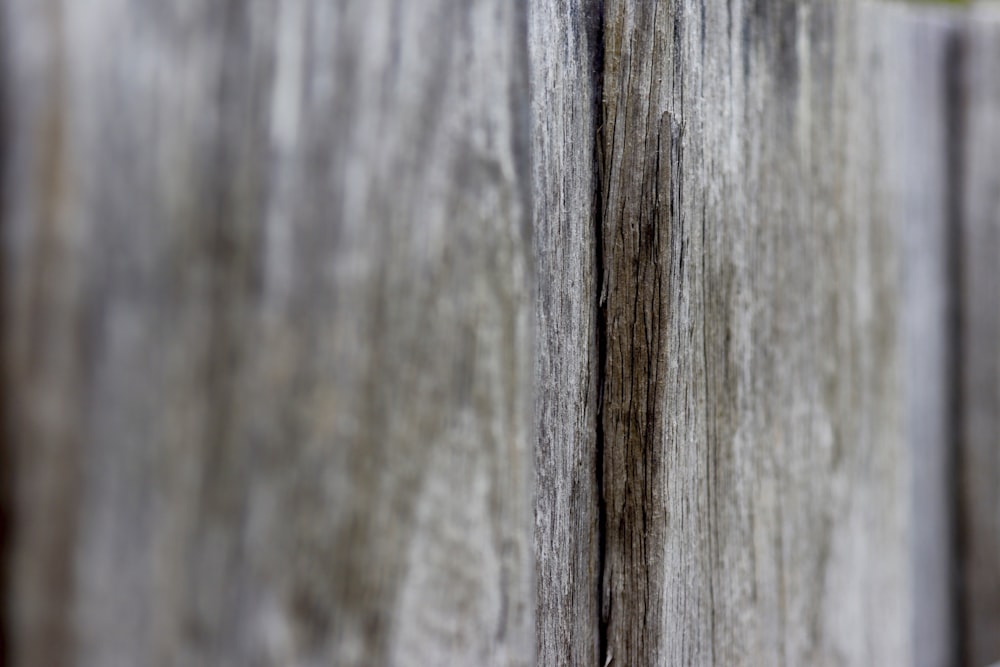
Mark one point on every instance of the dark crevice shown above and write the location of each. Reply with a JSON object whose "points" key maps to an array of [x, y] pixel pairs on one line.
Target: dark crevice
{"points": [[600, 306], [954, 100], [7, 477]]}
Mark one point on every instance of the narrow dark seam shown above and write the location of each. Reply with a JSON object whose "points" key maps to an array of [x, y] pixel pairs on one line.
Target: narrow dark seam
{"points": [[954, 100], [597, 64], [7, 473]]}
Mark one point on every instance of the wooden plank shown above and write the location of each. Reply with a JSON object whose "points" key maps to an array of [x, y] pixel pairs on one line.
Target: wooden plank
{"points": [[266, 269], [979, 471], [565, 52], [754, 463], [921, 48]]}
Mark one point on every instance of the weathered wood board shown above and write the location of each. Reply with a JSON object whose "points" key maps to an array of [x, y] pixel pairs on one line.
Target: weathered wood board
{"points": [[270, 339], [267, 332], [565, 73], [920, 49], [979, 336], [755, 472]]}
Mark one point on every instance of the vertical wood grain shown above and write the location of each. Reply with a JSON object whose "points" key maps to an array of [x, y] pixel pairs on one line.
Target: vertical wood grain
{"points": [[566, 45], [754, 464], [295, 296], [268, 332]]}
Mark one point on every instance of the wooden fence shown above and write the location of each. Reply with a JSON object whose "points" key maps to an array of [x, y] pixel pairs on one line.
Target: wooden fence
{"points": [[307, 307]]}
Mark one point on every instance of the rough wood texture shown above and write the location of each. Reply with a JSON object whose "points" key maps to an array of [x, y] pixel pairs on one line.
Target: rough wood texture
{"points": [[267, 332], [565, 55], [754, 466], [979, 472]]}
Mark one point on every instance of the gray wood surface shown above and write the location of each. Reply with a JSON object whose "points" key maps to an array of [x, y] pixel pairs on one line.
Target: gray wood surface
{"points": [[565, 56], [304, 304], [755, 473], [979, 456], [267, 332], [943, 147], [922, 49]]}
